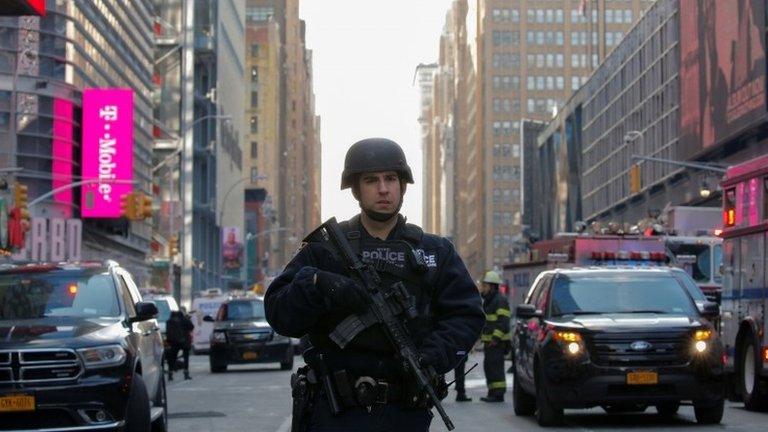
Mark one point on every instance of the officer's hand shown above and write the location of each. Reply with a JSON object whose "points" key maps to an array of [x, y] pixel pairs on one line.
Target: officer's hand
{"points": [[341, 292]]}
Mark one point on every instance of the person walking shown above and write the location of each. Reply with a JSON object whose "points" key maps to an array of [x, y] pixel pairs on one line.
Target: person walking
{"points": [[178, 332]]}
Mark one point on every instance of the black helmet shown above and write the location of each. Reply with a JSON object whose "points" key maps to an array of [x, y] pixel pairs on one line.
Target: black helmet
{"points": [[374, 154]]}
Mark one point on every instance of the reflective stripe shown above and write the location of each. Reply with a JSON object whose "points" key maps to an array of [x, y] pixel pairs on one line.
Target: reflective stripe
{"points": [[495, 385], [501, 335], [503, 312], [491, 317], [486, 338]]}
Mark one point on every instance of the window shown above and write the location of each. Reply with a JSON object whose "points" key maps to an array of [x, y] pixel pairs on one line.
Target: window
{"points": [[609, 38], [254, 99], [532, 106], [559, 16], [609, 16], [254, 124], [559, 38], [254, 174], [259, 13], [254, 74], [628, 16], [531, 83], [254, 50], [560, 83], [540, 16], [254, 149], [516, 150]]}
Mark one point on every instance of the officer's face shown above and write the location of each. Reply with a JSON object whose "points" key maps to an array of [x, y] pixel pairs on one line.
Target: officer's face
{"points": [[380, 191]]}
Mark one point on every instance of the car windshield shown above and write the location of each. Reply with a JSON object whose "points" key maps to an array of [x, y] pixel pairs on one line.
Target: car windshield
{"points": [[244, 310], [163, 309], [65, 293], [620, 293]]}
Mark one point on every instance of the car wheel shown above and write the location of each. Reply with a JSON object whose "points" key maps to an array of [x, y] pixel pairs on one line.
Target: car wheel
{"points": [[217, 367], [287, 364], [161, 401], [668, 409], [137, 417], [547, 414], [709, 412], [523, 403], [752, 387]]}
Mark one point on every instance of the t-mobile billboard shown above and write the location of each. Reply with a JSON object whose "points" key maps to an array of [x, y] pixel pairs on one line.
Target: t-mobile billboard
{"points": [[722, 71], [107, 150]]}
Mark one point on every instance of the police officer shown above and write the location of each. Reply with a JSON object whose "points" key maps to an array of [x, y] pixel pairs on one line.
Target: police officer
{"points": [[495, 337], [314, 294]]}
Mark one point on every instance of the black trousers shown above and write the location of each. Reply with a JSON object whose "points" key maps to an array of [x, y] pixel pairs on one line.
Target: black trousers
{"points": [[493, 365], [383, 418], [458, 375], [173, 353]]}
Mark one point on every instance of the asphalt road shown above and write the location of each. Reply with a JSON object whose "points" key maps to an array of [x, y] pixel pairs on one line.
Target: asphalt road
{"points": [[257, 398]]}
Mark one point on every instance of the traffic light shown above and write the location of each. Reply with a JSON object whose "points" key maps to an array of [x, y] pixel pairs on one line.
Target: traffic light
{"points": [[20, 195], [635, 181], [173, 246], [143, 206], [128, 205]]}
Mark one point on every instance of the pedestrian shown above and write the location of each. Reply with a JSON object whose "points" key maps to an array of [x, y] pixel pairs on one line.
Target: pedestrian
{"points": [[314, 293], [495, 336], [178, 332]]}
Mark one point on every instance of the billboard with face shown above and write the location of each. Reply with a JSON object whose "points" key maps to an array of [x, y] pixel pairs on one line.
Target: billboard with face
{"points": [[107, 150], [232, 249], [722, 71]]}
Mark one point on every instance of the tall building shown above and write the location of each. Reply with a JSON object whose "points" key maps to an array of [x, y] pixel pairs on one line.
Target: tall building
{"points": [[200, 75], [296, 187], [424, 77], [663, 94], [533, 55], [46, 63]]}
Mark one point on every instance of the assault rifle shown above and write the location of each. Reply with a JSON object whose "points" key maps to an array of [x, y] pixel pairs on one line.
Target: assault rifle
{"points": [[390, 306]]}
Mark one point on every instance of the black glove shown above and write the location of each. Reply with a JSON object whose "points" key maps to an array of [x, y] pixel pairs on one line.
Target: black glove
{"points": [[341, 292]]}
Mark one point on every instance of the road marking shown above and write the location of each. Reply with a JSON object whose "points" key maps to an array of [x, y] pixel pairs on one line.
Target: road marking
{"points": [[285, 426]]}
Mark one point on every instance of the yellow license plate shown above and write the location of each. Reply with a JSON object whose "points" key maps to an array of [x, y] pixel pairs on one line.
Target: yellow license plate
{"points": [[642, 378], [250, 355], [17, 403]]}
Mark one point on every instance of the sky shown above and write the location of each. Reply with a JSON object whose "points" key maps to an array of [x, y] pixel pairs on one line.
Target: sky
{"points": [[365, 53]]}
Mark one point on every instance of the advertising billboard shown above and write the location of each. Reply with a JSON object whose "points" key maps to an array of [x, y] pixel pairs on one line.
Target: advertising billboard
{"points": [[107, 150], [722, 71], [61, 149], [232, 249]]}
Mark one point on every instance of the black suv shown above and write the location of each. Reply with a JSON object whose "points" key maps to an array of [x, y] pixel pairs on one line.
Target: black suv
{"points": [[620, 338], [79, 350], [241, 334]]}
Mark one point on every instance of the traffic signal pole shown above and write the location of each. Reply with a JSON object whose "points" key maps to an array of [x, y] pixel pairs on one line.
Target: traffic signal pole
{"points": [[49, 194]]}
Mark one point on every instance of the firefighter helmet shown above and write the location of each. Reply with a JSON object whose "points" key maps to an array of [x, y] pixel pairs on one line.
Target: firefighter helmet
{"points": [[492, 277]]}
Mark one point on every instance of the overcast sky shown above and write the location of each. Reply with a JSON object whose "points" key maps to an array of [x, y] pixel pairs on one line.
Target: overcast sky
{"points": [[365, 53]]}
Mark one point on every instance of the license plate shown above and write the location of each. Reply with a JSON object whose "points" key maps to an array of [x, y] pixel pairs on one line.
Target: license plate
{"points": [[250, 355], [17, 403], [642, 378]]}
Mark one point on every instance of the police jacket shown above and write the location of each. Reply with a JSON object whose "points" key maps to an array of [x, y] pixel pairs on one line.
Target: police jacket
{"points": [[497, 316], [450, 310]]}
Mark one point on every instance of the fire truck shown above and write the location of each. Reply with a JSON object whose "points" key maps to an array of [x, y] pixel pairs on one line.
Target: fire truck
{"points": [[582, 250], [745, 281]]}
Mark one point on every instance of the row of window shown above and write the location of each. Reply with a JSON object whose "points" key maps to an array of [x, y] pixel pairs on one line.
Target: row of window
{"points": [[506, 60], [618, 16], [582, 38], [613, 38], [581, 60], [502, 219], [506, 82], [506, 105], [506, 15], [259, 13], [557, 16], [545, 38], [542, 106], [506, 172], [545, 60], [505, 128], [505, 195], [546, 83], [506, 150], [506, 37]]}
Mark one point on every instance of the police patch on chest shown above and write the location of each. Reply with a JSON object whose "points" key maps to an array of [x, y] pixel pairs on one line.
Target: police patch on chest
{"points": [[430, 259], [392, 256]]}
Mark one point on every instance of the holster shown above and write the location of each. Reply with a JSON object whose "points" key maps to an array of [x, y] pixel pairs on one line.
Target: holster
{"points": [[302, 390]]}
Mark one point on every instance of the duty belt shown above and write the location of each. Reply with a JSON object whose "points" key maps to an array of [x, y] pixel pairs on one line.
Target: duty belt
{"points": [[363, 391]]}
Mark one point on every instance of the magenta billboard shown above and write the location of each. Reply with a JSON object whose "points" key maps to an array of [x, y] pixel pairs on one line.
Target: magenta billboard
{"points": [[107, 151], [61, 167]]}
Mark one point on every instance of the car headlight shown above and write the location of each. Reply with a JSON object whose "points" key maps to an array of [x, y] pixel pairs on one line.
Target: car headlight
{"points": [[571, 341], [701, 338], [103, 356], [219, 336]]}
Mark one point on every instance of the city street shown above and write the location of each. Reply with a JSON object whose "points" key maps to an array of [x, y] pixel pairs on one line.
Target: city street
{"points": [[257, 398]]}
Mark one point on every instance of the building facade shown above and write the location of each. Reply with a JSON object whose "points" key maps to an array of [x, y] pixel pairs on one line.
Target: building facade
{"points": [[656, 95], [45, 65]]}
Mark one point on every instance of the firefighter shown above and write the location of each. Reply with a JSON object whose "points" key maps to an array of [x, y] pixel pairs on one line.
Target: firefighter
{"points": [[495, 336]]}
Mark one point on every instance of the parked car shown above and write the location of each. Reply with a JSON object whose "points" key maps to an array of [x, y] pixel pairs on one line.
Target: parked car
{"points": [[79, 350], [242, 335], [621, 338]]}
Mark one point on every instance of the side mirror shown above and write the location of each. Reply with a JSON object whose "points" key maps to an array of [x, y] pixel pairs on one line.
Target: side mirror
{"points": [[208, 318], [710, 310], [527, 311], [145, 311]]}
